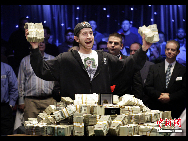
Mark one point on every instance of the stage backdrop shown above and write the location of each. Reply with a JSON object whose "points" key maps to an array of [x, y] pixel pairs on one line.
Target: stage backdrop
{"points": [[108, 17]]}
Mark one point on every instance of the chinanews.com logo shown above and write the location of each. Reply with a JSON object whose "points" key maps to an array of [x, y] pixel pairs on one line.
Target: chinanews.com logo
{"points": [[169, 123]]}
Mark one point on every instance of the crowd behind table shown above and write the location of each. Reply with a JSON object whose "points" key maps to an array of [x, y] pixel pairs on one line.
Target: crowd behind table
{"points": [[24, 94]]}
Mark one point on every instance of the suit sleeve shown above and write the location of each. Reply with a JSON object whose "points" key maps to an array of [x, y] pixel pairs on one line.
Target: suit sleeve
{"points": [[137, 87], [46, 70], [149, 85], [179, 95]]}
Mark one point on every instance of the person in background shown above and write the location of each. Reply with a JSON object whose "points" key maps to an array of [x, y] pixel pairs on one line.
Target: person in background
{"points": [[144, 71], [9, 95], [162, 43], [129, 37], [166, 83], [35, 94], [18, 44], [69, 39], [155, 55], [50, 48], [97, 35], [181, 36], [128, 84], [181, 58], [102, 45]]}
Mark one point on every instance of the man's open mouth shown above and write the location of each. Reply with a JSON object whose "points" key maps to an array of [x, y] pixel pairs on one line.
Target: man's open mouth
{"points": [[88, 42]]}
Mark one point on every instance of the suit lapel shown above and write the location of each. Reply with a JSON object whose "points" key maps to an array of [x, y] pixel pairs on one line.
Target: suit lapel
{"points": [[162, 74], [174, 74]]}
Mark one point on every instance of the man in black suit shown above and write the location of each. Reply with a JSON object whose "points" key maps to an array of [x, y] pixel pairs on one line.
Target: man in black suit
{"points": [[131, 81], [167, 93]]}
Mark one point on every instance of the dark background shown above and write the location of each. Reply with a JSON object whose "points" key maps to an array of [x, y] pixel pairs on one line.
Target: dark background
{"points": [[59, 17]]}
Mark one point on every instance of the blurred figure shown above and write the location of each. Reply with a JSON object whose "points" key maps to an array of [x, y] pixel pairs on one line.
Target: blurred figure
{"points": [[69, 39], [129, 37], [35, 94], [19, 44], [97, 35], [9, 95], [162, 43], [155, 56], [102, 45], [50, 48], [181, 36], [181, 58]]}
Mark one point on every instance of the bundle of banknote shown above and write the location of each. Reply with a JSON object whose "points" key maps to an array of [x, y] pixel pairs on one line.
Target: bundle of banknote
{"points": [[149, 131], [89, 119], [116, 123], [90, 131], [128, 130], [36, 32], [78, 125], [102, 126], [151, 33], [50, 109], [166, 114], [67, 100], [41, 116], [136, 118], [88, 99], [129, 110]]}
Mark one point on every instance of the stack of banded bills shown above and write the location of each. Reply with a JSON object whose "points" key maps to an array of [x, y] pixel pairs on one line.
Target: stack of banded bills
{"points": [[36, 32], [151, 33]]}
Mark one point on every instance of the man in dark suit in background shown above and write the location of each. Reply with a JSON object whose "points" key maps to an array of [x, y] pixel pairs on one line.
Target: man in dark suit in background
{"points": [[166, 83], [131, 82]]}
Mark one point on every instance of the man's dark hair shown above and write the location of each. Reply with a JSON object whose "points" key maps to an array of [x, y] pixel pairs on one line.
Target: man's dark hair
{"points": [[69, 30], [116, 35], [174, 41], [47, 29]]}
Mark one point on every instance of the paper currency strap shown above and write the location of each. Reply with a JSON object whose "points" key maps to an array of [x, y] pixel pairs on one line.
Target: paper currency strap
{"points": [[84, 117]]}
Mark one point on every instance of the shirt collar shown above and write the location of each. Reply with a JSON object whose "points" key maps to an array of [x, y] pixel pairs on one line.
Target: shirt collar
{"points": [[45, 56], [173, 64]]}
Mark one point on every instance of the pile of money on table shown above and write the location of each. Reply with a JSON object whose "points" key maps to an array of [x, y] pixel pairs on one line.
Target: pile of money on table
{"points": [[84, 117]]}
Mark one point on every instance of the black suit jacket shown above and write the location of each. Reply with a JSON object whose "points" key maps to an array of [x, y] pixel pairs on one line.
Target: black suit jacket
{"points": [[130, 82], [156, 84]]}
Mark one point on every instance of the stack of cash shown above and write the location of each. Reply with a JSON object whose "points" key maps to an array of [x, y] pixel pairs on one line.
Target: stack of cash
{"points": [[151, 116], [89, 119], [100, 110], [102, 126], [85, 109], [62, 130], [78, 124], [166, 114], [90, 131], [129, 130], [93, 109], [88, 99], [151, 33], [116, 123], [67, 100], [58, 116], [115, 99], [130, 100], [38, 129], [50, 109], [148, 130], [48, 120], [41, 116], [129, 110], [36, 32], [136, 118]]}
